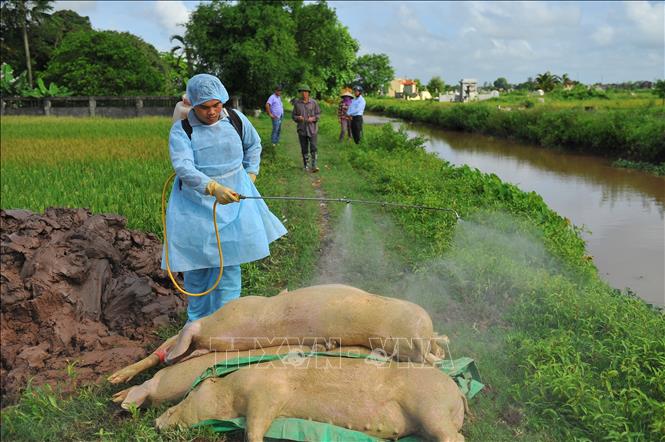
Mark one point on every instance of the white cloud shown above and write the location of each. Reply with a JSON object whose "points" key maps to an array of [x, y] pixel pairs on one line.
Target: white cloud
{"points": [[603, 35], [408, 19], [648, 20], [170, 14], [521, 20]]}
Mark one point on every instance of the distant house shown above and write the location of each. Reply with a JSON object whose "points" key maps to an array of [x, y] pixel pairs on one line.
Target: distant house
{"points": [[402, 88], [468, 89]]}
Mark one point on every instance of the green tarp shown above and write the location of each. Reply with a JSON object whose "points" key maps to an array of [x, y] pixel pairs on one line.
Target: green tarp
{"points": [[462, 370]]}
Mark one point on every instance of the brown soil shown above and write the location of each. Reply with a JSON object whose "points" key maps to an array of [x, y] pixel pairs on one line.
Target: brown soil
{"points": [[77, 289]]}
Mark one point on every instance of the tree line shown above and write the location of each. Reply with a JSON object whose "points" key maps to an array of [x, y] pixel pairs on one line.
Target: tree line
{"points": [[251, 46]]}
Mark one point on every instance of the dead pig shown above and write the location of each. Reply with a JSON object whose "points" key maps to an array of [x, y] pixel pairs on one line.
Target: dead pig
{"points": [[332, 314], [386, 400], [172, 383]]}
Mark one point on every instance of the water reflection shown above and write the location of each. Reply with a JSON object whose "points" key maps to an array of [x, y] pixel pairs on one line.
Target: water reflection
{"points": [[623, 210]]}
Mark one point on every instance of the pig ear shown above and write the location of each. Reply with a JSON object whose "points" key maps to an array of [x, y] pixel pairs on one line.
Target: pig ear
{"points": [[182, 344]]}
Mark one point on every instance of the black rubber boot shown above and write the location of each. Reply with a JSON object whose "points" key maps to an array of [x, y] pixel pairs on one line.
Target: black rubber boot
{"points": [[314, 168], [305, 159]]}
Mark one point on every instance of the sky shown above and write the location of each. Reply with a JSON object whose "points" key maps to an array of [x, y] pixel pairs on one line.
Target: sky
{"points": [[590, 41]]}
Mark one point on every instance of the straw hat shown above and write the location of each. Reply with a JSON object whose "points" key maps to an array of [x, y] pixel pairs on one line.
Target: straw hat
{"points": [[346, 93]]}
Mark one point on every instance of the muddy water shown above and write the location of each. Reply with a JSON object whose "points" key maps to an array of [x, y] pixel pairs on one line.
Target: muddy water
{"points": [[621, 210]]}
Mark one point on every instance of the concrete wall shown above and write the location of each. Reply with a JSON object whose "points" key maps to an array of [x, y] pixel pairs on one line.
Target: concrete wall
{"points": [[109, 107]]}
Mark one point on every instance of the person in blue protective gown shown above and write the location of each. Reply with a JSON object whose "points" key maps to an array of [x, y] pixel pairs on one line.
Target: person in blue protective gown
{"points": [[215, 165]]}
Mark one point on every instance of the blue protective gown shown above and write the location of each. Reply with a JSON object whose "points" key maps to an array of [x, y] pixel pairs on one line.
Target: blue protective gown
{"points": [[246, 228]]}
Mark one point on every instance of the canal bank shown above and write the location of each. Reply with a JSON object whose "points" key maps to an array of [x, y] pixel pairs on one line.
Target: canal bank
{"points": [[617, 129], [621, 211]]}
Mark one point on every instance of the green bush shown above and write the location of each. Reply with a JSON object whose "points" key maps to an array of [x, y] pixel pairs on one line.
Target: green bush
{"points": [[107, 63], [636, 134]]}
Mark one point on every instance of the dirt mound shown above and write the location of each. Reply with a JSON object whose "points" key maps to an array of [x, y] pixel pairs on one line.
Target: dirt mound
{"points": [[77, 287]]}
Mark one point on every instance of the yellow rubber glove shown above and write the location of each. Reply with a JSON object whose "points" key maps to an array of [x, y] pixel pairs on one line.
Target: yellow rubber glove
{"points": [[223, 194], [252, 176]]}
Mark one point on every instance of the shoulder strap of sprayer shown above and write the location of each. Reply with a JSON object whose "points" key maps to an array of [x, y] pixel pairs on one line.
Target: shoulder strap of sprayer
{"points": [[236, 122]]}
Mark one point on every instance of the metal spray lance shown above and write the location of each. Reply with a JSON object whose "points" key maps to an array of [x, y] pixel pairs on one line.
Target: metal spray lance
{"points": [[352, 201]]}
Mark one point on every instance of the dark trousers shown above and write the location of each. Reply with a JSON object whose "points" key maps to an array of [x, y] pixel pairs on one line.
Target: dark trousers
{"points": [[357, 128], [307, 144]]}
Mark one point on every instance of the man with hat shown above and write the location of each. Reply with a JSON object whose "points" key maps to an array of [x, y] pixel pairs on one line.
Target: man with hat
{"points": [[356, 111], [275, 109], [306, 114], [344, 120]]}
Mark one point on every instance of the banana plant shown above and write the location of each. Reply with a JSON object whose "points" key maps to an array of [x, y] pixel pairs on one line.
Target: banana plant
{"points": [[18, 86], [9, 84], [53, 90]]}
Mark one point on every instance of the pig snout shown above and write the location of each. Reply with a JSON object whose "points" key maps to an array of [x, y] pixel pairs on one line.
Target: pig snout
{"points": [[168, 419]]}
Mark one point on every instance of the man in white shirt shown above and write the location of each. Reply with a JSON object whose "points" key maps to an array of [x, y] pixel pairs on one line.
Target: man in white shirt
{"points": [[356, 111]]}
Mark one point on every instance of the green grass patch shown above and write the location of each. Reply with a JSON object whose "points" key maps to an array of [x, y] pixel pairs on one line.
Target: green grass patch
{"points": [[656, 169], [582, 359], [635, 132], [564, 356]]}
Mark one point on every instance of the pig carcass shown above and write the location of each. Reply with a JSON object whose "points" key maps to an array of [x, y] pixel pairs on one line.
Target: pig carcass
{"points": [[330, 315], [170, 384], [387, 400]]}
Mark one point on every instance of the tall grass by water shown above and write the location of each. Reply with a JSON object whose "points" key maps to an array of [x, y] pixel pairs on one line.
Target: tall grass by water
{"points": [[635, 132]]}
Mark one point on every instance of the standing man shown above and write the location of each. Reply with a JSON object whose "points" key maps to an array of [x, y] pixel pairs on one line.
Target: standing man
{"points": [[344, 120], [356, 111], [275, 109], [215, 154], [306, 113]]}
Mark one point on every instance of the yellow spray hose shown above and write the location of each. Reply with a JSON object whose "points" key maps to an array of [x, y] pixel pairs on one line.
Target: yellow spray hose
{"points": [[166, 244]]}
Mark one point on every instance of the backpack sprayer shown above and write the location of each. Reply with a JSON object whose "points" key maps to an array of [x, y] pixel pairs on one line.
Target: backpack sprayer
{"points": [[283, 198]]}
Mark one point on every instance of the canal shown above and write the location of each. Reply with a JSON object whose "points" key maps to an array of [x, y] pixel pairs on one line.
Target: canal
{"points": [[621, 210]]}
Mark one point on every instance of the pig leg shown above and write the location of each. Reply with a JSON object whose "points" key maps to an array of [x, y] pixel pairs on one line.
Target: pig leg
{"points": [[441, 429], [260, 413], [169, 418], [183, 342], [126, 374], [263, 408], [432, 359], [136, 395], [208, 401], [121, 395], [194, 354]]}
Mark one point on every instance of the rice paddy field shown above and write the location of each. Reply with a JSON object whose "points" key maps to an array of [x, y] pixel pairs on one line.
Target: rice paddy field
{"points": [[564, 356]]}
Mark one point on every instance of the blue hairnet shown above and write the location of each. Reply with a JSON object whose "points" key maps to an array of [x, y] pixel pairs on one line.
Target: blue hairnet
{"points": [[204, 87]]}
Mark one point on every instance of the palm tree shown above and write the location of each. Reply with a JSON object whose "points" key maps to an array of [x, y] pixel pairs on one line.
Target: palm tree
{"points": [[547, 81], [29, 14], [182, 50]]}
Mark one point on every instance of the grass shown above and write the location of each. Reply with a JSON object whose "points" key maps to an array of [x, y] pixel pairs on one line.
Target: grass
{"points": [[582, 359], [632, 129], [564, 356]]}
